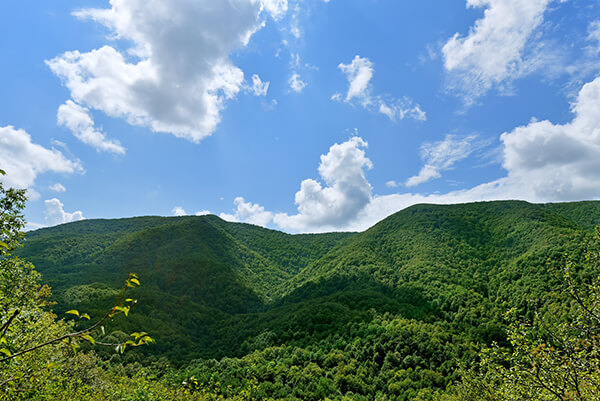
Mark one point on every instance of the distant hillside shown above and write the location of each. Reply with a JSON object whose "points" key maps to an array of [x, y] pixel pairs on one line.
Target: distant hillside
{"points": [[213, 289]]}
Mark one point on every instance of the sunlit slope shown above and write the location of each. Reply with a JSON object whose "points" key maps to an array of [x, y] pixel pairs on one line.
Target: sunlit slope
{"points": [[211, 288], [184, 255], [486, 247]]}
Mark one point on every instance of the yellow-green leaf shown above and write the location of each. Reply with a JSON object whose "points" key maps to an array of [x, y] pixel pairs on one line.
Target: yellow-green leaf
{"points": [[73, 312], [89, 338], [5, 351]]}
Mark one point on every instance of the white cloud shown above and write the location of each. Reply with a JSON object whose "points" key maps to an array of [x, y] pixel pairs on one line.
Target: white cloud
{"points": [[78, 119], [176, 76], [179, 211], [400, 109], [544, 162], [296, 83], [392, 184], [345, 193], [55, 213], [359, 74], [57, 187], [30, 226], [277, 8], [23, 160], [259, 88], [248, 212], [440, 156], [493, 51], [594, 36], [559, 161]]}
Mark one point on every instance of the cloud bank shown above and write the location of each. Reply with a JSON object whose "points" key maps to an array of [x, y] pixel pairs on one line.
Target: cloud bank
{"points": [[544, 162]]}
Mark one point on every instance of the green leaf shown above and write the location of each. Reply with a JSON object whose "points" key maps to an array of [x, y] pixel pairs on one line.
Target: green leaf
{"points": [[135, 281], [89, 338], [72, 312], [85, 316], [138, 335], [5, 351], [3, 245], [75, 347]]}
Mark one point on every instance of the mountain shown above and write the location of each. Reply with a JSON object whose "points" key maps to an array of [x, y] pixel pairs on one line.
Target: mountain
{"points": [[410, 297]]}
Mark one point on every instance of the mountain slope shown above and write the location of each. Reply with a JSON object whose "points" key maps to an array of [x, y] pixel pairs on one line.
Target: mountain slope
{"points": [[213, 288]]}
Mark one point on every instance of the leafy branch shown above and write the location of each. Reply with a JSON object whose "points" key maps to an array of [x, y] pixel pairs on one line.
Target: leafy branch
{"points": [[121, 305]]}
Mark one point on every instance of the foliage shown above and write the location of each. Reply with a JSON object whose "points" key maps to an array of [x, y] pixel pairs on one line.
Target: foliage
{"points": [[556, 355], [242, 312], [33, 343]]}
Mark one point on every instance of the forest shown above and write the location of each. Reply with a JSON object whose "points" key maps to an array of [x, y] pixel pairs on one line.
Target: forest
{"points": [[481, 301]]}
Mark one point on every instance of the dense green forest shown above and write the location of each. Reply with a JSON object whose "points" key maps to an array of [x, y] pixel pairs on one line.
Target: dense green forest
{"points": [[407, 310]]}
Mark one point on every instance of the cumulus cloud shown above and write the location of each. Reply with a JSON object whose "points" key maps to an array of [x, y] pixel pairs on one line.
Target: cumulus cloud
{"points": [[440, 156], [345, 191], [559, 161], [359, 74], [493, 51], [248, 212], [24, 160], [78, 119], [55, 213], [57, 187], [296, 83], [176, 76], [179, 211]]}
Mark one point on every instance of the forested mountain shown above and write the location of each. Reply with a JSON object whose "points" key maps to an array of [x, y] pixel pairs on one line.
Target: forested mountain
{"points": [[389, 312]]}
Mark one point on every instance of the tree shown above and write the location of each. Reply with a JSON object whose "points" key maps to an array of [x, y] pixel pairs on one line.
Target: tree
{"points": [[555, 356], [32, 341]]}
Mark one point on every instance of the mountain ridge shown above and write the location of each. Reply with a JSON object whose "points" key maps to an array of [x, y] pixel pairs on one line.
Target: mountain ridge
{"points": [[211, 286]]}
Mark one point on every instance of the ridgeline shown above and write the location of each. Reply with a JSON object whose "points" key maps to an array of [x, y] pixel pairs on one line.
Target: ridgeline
{"points": [[390, 311]]}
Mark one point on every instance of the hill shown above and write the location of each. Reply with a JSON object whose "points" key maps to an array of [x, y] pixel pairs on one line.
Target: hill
{"points": [[391, 310]]}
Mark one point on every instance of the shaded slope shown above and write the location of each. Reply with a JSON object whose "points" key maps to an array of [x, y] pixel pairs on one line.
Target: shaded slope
{"points": [[489, 248], [213, 288]]}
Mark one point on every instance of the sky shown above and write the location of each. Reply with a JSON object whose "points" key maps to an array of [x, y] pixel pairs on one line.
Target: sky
{"points": [[296, 115]]}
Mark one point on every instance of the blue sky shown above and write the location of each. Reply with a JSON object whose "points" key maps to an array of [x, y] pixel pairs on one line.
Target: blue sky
{"points": [[298, 115]]}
